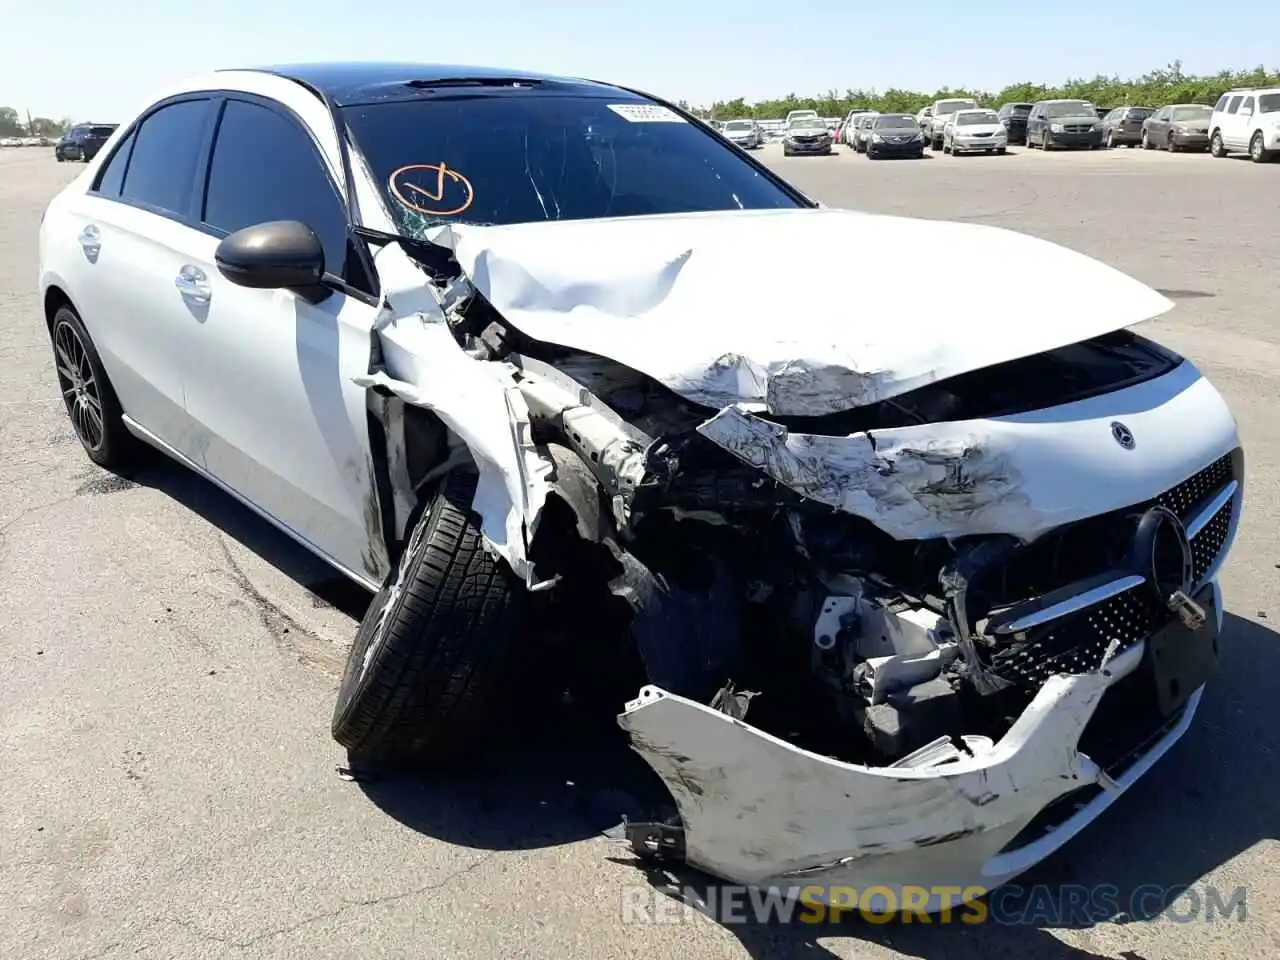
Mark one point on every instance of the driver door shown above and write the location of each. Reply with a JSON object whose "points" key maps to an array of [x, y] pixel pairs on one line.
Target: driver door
{"points": [[269, 386]]}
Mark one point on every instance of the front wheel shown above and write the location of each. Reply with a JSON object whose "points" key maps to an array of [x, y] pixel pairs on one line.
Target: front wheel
{"points": [[432, 650], [1110, 140], [1258, 151], [1172, 144], [1146, 142], [1001, 151], [1216, 146]]}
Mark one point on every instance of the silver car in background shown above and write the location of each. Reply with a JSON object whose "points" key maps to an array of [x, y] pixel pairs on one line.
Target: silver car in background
{"points": [[974, 131], [744, 133]]}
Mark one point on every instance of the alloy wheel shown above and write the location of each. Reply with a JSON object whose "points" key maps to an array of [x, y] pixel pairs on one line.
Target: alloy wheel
{"points": [[79, 386]]}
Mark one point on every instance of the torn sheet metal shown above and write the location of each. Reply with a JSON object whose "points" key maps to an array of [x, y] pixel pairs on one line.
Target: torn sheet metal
{"points": [[478, 401], [757, 810], [712, 305], [1006, 475]]}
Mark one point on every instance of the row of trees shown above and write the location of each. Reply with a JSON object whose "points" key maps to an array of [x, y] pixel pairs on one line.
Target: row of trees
{"points": [[1154, 89], [14, 125]]}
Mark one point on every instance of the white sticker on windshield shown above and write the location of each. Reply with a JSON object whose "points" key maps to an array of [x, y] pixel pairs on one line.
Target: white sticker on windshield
{"points": [[646, 113]]}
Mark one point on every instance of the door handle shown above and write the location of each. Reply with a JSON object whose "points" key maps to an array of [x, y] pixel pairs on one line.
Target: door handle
{"points": [[90, 240], [193, 284]]}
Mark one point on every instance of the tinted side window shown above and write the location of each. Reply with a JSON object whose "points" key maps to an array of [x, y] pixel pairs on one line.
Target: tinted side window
{"points": [[1221, 104], [111, 179], [1247, 106], [266, 167], [1234, 105], [163, 164]]}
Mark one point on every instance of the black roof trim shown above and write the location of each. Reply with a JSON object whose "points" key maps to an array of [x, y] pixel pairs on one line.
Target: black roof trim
{"points": [[346, 84]]}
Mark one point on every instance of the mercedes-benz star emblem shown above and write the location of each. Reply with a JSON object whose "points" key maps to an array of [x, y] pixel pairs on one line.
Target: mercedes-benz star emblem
{"points": [[1123, 435]]}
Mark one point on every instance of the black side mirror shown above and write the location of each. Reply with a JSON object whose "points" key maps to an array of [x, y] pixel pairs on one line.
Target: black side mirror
{"points": [[280, 254]]}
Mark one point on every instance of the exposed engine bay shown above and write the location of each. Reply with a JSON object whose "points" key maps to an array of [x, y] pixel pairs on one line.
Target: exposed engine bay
{"points": [[735, 583]]}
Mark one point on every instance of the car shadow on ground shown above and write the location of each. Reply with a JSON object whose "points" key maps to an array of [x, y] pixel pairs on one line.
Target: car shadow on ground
{"points": [[233, 519], [558, 769]]}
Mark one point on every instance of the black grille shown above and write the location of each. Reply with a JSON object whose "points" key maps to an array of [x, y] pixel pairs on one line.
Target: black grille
{"points": [[1198, 487], [1207, 545], [1077, 127], [1077, 643]]}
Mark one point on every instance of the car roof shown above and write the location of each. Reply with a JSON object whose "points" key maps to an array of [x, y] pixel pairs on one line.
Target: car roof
{"points": [[355, 83]]}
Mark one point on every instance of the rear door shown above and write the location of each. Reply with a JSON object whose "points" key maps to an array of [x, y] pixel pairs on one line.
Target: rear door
{"points": [[278, 417], [1242, 123], [130, 227], [1231, 121], [1157, 125]]}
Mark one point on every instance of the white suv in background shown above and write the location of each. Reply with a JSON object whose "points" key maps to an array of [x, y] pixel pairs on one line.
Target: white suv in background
{"points": [[942, 111], [1246, 120]]}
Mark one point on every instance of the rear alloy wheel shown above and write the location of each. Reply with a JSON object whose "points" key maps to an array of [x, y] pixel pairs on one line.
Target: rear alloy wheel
{"points": [[1258, 152], [91, 402], [1216, 146]]}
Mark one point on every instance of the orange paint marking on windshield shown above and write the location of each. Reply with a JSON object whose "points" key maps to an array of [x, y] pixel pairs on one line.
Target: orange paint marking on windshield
{"points": [[430, 190]]}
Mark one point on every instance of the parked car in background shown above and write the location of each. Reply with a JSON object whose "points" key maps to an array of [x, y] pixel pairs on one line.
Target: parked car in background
{"points": [[1122, 127], [1179, 126], [83, 141], [941, 112], [1063, 123], [862, 131], [1247, 120], [806, 135], [797, 114], [974, 131], [744, 133], [923, 118], [895, 135], [1014, 118], [1102, 111], [845, 134]]}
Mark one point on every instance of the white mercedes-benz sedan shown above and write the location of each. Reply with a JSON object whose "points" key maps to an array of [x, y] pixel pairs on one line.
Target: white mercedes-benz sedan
{"points": [[490, 344]]}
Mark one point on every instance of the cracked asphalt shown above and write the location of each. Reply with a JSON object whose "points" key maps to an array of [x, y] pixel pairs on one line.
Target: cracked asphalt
{"points": [[168, 787]]}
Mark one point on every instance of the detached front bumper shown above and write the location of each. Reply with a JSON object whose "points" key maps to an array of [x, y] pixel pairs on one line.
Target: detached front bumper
{"points": [[919, 835]]}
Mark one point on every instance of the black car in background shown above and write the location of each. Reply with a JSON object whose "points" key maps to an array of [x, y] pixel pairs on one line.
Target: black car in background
{"points": [[1123, 126], [1014, 118], [1063, 123], [83, 141], [895, 135]]}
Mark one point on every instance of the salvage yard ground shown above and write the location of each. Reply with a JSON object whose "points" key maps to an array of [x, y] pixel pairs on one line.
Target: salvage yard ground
{"points": [[168, 662]]}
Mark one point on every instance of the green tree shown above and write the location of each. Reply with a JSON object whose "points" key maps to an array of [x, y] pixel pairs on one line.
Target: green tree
{"points": [[1154, 89]]}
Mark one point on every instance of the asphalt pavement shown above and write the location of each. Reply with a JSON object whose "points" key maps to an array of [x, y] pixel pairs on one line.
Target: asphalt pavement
{"points": [[168, 786]]}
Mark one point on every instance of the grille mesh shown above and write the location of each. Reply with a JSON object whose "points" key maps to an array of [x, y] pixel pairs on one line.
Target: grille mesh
{"points": [[1078, 642]]}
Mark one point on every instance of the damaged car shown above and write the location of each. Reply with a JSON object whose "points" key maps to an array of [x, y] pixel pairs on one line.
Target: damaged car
{"points": [[913, 597]]}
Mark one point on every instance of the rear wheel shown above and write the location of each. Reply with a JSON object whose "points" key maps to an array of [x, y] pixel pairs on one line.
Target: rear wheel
{"points": [[96, 416], [432, 650]]}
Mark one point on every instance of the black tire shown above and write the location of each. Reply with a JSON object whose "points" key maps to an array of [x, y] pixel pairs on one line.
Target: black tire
{"points": [[61, 158], [1258, 152], [1216, 146], [445, 622], [1110, 140], [91, 402], [1173, 145], [1001, 150]]}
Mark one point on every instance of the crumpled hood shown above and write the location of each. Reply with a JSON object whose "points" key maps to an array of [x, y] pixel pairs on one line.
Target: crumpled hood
{"points": [[717, 306]]}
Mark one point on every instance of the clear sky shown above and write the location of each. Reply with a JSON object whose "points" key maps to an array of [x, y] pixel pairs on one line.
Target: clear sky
{"points": [[90, 59]]}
